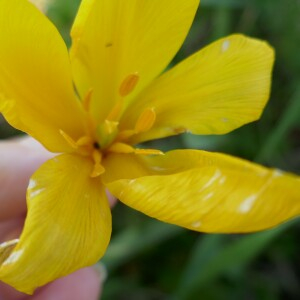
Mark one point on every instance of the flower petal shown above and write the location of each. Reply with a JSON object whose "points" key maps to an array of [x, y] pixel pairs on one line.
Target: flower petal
{"points": [[216, 90], [113, 39], [204, 191], [68, 224], [36, 91]]}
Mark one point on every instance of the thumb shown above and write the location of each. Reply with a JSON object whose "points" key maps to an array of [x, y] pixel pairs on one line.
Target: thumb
{"points": [[19, 159]]}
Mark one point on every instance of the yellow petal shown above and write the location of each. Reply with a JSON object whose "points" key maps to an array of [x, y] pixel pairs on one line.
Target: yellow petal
{"points": [[115, 39], [203, 191], [36, 91], [214, 91], [68, 224]]}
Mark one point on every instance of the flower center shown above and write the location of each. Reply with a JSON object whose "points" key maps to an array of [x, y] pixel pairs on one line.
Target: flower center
{"points": [[105, 138]]}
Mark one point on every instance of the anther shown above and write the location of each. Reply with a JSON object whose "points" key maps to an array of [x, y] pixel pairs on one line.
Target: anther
{"points": [[97, 156], [121, 148], [98, 168], [129, 84], [148, 152], [87, 100], [125, 134], [84, 141], [145, 121]]}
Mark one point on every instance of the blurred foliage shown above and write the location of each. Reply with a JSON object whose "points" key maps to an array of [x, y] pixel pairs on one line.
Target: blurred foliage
{"points": [[151, 260]]}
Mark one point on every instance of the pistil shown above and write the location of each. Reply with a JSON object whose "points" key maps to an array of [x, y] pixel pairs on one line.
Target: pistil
{"points": [[105, 138]]}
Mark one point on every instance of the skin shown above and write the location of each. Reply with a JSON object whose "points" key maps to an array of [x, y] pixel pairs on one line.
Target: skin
{"points": [[19, 159]]}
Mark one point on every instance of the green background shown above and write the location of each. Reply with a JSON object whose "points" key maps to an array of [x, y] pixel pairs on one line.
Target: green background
{"points": [[151, 260]]}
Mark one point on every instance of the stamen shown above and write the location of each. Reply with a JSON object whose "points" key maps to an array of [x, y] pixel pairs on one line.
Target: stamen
{"points": [[148, 152], [98, 168], [87, 100], [84, 141], [86, 103], [125, 134], [121, 148], [129, 84], [97, 156], [125, 148], [116, 111], [97, 171], [145, 121], [91, 124], [69, 140]]}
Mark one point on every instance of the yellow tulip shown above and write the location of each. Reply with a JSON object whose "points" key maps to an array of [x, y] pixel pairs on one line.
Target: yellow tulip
{"points": [[122, 98]]}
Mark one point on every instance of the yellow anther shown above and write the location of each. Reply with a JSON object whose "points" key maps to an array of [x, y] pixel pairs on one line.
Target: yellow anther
{"points": [[87, 100], [128, 84], [145, 121], [97, 170], [148, 152], [84, 141], [121, 148], [125, 134], [97, 156], [116, 111], [69, 140]]}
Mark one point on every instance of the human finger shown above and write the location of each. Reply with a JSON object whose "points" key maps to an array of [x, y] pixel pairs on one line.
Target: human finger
{"points": [[19, 158], [83, 284]]}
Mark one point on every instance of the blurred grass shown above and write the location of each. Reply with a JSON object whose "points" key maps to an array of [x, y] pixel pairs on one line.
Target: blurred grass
{"points": [[151, 260]]}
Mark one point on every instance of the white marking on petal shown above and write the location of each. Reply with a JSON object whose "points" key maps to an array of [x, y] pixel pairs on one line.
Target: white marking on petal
{"points": [[159, 169], [208, 196], [225, 46], [225, 120], [277, 173], [247, 204], [37, 192], [9, 243], [132, 181], [32, 184], [13, 257], [222, 180], [212, 180], [196, 224]]}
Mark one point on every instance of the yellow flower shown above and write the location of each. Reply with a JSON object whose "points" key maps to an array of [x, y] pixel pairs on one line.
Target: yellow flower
{"points": [[118, 53]]}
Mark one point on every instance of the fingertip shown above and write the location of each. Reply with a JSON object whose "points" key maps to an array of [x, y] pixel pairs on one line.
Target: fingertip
{"points": [[19, 158], [9, 293], [83, 284]]}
